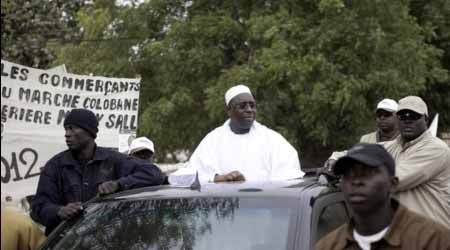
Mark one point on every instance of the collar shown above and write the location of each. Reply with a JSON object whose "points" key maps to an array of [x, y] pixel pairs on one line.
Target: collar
{"points": [[392, 236], [406, 145], [100, 154], [254, 126]]}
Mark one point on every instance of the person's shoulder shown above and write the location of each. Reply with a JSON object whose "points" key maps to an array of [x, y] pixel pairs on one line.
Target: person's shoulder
{"points": [[261, 128], [333, 239], [217, 132], [371, 133], [108, 153], [58, 158], [419, 223], [434, 144], [369, 138], [60, 155], [439, 143]]}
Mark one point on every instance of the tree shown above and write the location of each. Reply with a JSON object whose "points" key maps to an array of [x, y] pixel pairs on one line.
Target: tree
{"points": [[112, 37], [434, 16], [27, 26]]}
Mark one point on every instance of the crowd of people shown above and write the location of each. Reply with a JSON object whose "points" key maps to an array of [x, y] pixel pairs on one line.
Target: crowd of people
{"points": [[396, 180]]}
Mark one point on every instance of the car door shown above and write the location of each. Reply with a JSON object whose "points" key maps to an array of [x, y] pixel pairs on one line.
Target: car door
{"points": [[329, 211]]}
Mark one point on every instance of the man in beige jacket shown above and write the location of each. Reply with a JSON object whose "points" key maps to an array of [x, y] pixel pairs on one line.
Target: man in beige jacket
{"points": [[423, 163]]}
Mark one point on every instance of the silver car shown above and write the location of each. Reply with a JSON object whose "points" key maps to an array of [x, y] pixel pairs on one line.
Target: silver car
{"points": [[263, 216]]}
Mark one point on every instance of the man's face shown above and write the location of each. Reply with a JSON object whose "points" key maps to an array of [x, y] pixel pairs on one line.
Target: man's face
{"points": [[144, 155], [242, 111], [411, 124], [366, 189], [76, 137], [386, 121]]}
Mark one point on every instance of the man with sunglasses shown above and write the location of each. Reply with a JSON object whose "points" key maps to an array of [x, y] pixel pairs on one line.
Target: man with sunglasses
{"points": [[386, 123], [423, 163], [243, 149]]}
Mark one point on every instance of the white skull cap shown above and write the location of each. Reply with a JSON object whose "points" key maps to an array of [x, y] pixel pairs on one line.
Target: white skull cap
{"points": [[234, 91]]}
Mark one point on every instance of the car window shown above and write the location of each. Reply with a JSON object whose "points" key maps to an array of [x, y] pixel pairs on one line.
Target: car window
{"points": [[331, 217], [194, 223], [329, 211]]}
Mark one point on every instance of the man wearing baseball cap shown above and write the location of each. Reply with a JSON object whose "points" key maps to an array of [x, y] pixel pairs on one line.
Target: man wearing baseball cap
{"points": [[423, 163], [242, 148], [142, 148], [378, 221], [83, 171], [386, 123]]}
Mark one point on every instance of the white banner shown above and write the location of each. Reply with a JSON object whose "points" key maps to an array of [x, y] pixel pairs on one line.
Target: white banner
{"points": [[34, 103]]}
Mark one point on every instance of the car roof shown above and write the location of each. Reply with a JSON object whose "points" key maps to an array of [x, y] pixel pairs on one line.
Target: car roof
{"points": [[287, 188]]}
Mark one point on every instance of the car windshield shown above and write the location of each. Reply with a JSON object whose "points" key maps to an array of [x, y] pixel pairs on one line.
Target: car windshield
{"points": [[186, 223]]}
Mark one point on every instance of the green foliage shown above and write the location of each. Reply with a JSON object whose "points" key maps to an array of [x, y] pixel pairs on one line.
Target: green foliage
{"points": [[434, 17], [112, 37], [28, 25]]}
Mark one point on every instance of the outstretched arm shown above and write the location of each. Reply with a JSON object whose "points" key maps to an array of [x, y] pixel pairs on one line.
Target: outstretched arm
{"points": [[135, 173]]}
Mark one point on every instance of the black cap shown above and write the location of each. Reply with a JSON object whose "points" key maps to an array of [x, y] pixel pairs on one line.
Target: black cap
{"points": [[372, 155], [84, 119]]}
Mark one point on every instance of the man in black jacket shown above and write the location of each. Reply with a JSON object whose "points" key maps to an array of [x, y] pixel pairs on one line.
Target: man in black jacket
{"points": [[85, 170]]}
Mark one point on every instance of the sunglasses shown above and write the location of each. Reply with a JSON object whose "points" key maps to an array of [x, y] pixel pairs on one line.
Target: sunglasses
{"points": [[409, 116]]}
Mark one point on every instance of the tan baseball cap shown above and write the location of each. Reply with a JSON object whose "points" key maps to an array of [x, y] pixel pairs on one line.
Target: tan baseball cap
{"points": [[413, 103]]}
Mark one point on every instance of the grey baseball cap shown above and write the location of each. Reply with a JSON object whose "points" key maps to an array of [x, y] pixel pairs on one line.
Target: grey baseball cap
{"points": [[372, 155]]}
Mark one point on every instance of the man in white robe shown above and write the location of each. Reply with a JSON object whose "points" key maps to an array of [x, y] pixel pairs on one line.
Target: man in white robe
{"points": [[243, 149]]}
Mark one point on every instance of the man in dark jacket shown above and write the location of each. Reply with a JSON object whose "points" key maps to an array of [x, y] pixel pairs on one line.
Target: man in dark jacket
{"points": [[85, 170]]}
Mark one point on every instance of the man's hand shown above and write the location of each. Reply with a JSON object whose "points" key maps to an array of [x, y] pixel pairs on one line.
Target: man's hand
{"points": [[232, 176], [108, 187], [327, 171], [327, 168], [329, 165], [70, 210]]}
